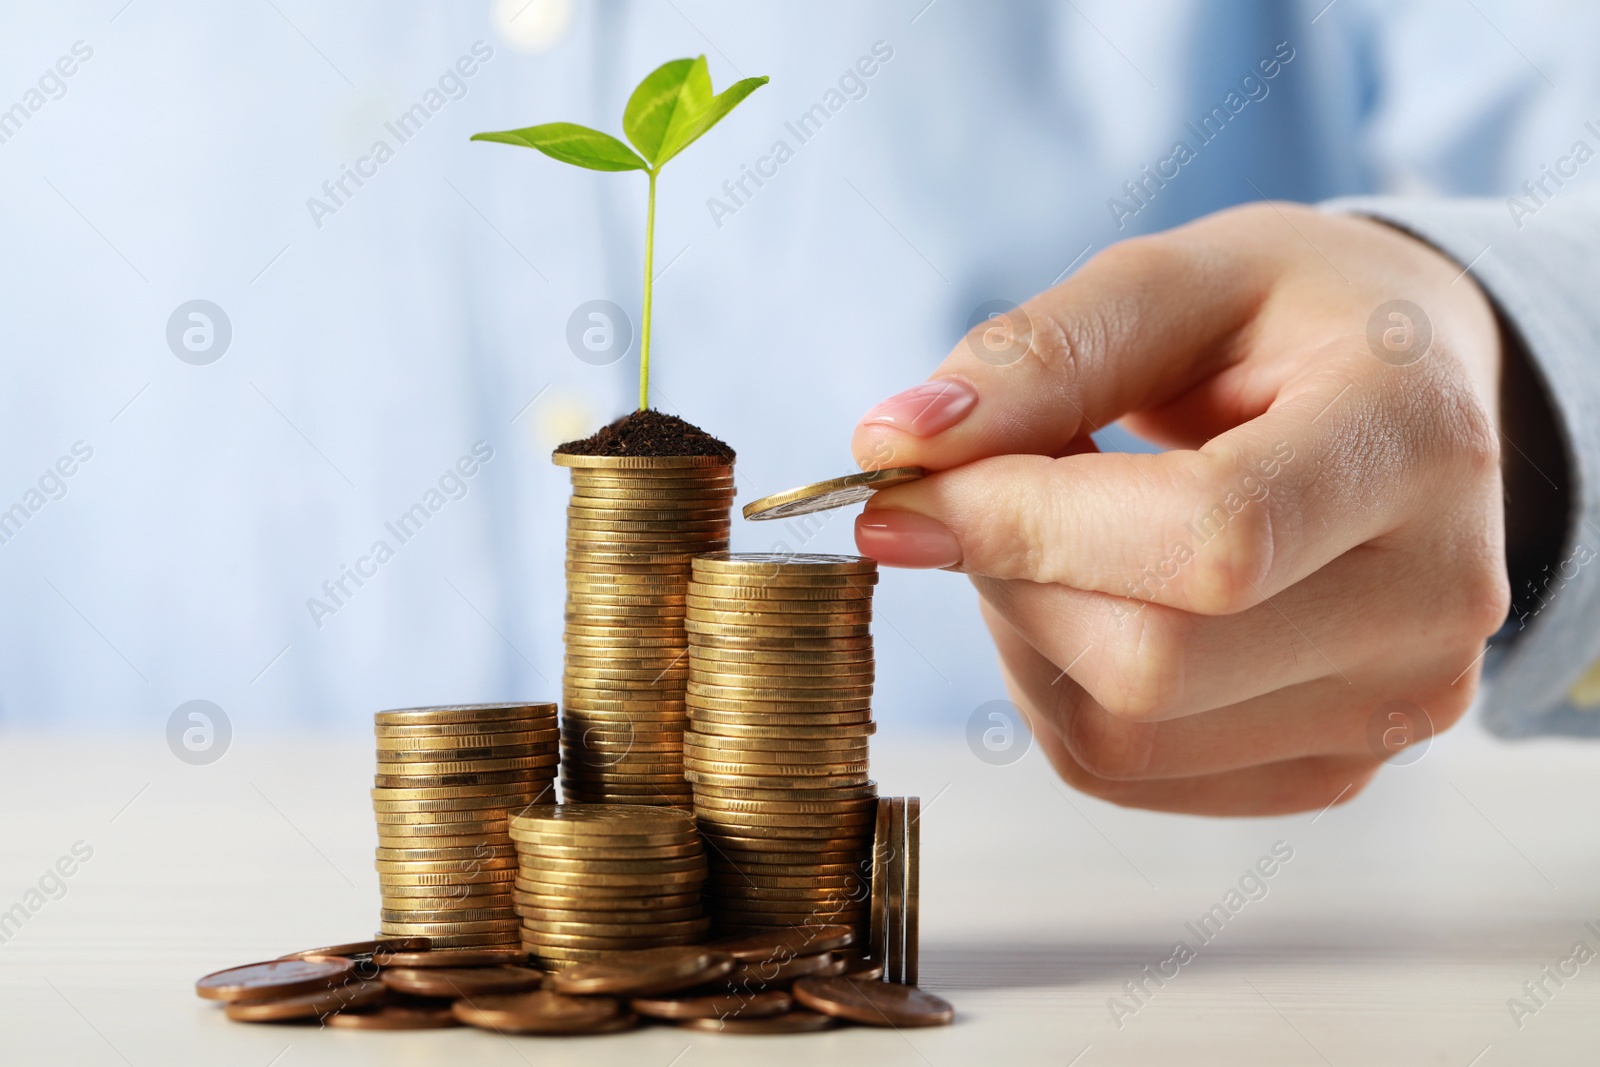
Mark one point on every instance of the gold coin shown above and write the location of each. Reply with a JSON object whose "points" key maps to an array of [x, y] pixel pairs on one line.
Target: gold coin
{"points": [[833, 493], [553, 882], [799, 886], [536, 863], [684, 524], [447, 929], [823, 832], [468, 815], [489, 791], [563, 898], [461, 713], [642, 463], [716, 657], [433, 757], [854, 791], [627, 597], [616, 917], [532, 779], [793, 768], [602, 852], [751, 821], [480, 766], [767, 563], [445, 829], [799, 806], [497, 729], [746, 730], [422, 878], [779, 583], [391, 913], [719, 722], [723, 628], [820, 745], [794, 709], [608, 558], [495, 940], [709, 639], [780, 780], [500, 849], [836, 686], [757, 761], [692, 927], [607, 821], [615, 944], [594, 509], [658, 570], [783, 597], [458, 742], [698, 600], [483, 894]]}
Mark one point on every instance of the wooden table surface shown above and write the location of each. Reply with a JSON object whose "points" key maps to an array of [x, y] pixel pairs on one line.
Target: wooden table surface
{"points": [[1399, 931]]}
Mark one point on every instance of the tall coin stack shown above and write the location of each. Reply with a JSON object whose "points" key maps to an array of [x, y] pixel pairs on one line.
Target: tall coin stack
{"points": [[448, 780], [633, 524], [780, 709], [598, 878]]}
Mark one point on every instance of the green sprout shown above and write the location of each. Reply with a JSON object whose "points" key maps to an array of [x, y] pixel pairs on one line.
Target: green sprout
{"points": [[670, 110]]}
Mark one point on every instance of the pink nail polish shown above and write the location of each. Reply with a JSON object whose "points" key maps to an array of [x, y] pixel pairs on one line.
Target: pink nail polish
{"points": [[926, 409], [906, 539]]}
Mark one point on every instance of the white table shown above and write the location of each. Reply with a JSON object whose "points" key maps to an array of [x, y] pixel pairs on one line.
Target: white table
{"points": [[1396, 934]]}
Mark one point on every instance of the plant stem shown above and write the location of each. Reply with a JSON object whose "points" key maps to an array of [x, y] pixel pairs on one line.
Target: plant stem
{"points": [[649, 272]]}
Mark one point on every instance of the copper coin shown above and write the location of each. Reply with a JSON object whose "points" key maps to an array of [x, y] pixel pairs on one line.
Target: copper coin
{"points": [[794, 1022], [396, 1017], [748, 973], [645, 972], [784, 944], [716, 1006], [461, 981], [347, 996], [863, 970], [362, 948], [451, 957], [874, 1003], [276, 978], [538, 1012]]}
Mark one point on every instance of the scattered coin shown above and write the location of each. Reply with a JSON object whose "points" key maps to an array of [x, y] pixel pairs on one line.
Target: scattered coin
{"points": [[348, 996], [759, 1005], [873, 1003], [793, 1022], [644, 973], [460, 981], [276, 978], [355, 949], [540, 1012], [395, 1017]]}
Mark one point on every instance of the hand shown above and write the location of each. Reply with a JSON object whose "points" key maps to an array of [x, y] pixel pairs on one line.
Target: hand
{"points": [[1212, 629]]}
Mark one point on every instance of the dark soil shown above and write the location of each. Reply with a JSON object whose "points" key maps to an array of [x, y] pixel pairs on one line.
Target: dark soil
{"points": [[649, 433]]}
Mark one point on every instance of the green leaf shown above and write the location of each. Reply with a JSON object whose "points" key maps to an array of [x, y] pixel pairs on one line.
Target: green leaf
{"points": [[683, 136], [571, 143], [668, 99]]}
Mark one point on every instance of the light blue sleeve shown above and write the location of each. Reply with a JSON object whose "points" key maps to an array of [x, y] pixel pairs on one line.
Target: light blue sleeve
{"points": [[1542, 270]]}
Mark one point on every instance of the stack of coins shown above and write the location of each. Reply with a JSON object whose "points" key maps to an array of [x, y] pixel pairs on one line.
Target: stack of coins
{"points": [[633, 524], [448, 780], [596, 878], [779, 697]]}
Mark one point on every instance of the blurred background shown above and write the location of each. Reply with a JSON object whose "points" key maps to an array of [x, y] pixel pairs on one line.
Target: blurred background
{"points": [[369, 315]]}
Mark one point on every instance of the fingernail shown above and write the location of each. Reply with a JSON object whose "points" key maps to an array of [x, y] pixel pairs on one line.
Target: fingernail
{"points": [[926, 409], [906, 539]]}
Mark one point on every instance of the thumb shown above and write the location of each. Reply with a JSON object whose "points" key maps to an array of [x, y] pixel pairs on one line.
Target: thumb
{"points": [[1141, 323]]}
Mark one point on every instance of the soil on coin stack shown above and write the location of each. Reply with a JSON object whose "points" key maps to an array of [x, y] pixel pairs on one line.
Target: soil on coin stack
{"points": [[648, 433]]}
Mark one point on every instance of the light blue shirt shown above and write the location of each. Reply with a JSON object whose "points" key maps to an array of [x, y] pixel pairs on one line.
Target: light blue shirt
{"points": [[398, 299]]}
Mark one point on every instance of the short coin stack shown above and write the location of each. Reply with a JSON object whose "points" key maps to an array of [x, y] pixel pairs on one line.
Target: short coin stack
{"points": [[448, 780], [633, 524], [779, 698], [596, 878]]}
